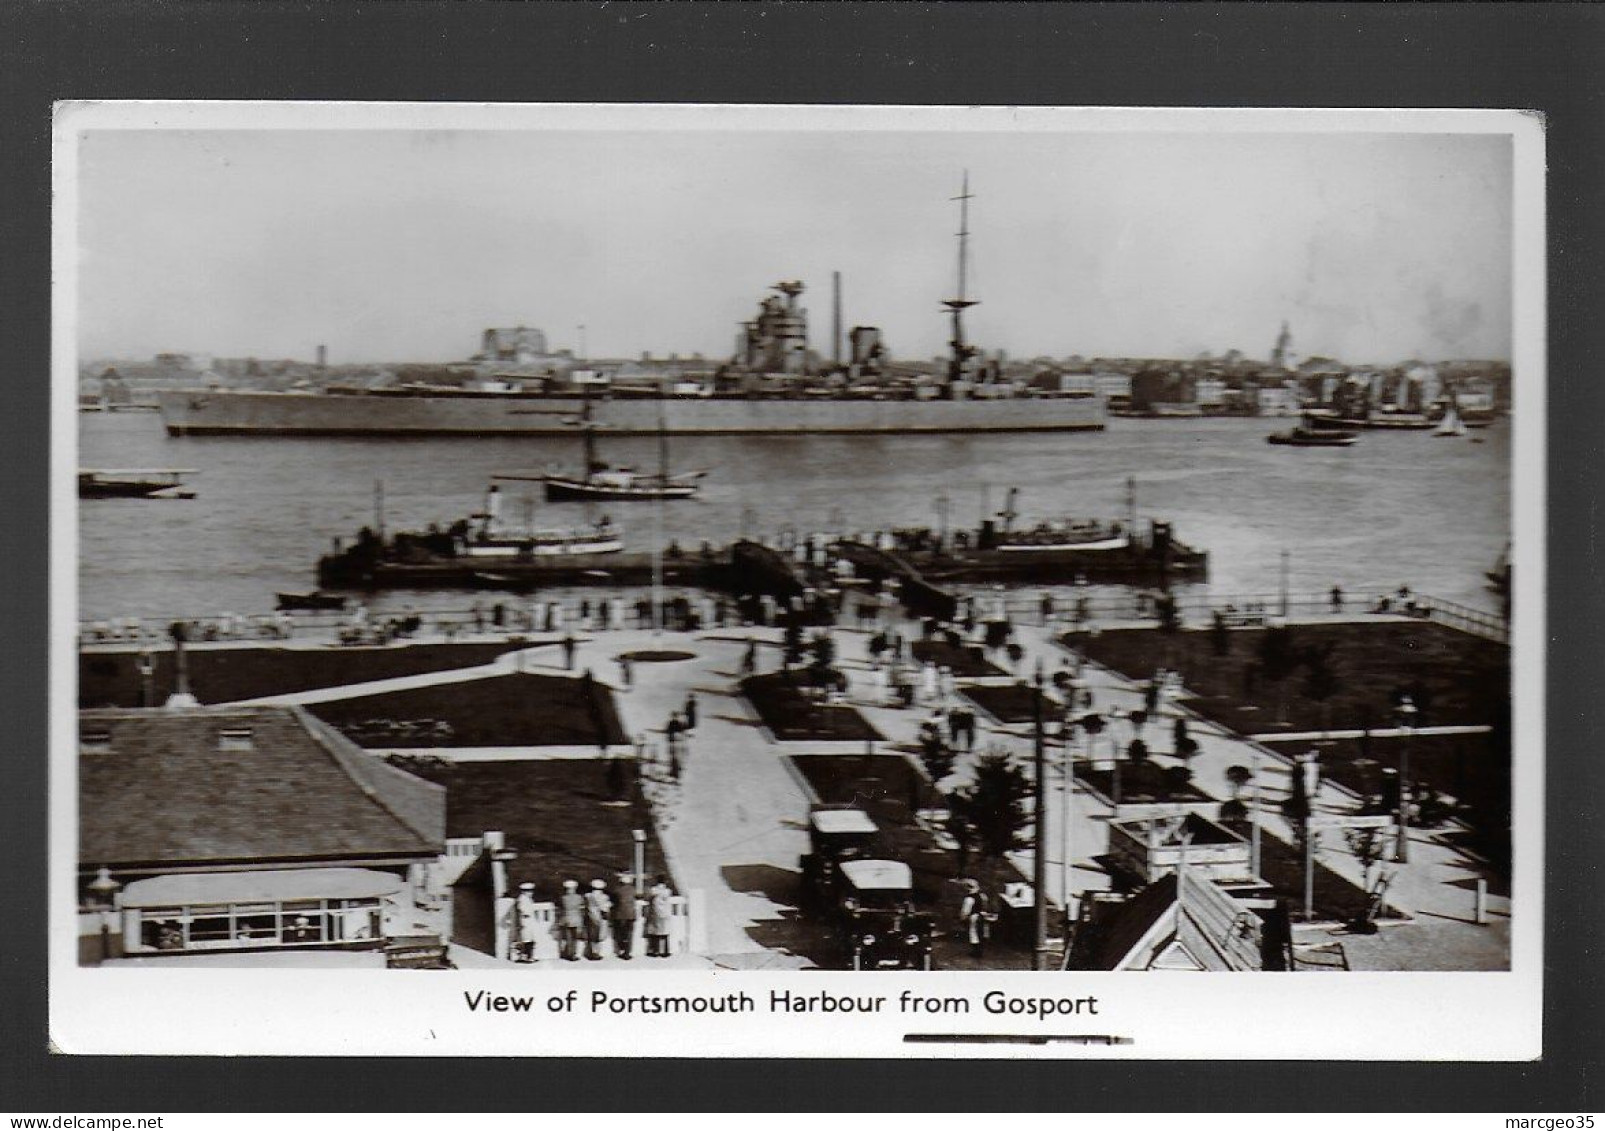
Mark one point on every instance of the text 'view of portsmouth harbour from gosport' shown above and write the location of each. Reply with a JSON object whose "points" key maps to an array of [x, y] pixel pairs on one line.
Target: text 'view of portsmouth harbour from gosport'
{"points": [[867, 551]]}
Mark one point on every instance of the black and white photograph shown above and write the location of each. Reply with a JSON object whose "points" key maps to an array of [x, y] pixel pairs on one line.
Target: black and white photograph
{"points": [[861, 578]]}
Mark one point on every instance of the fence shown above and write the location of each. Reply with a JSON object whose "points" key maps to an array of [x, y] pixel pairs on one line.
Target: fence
{"points": [[1065, 607]]}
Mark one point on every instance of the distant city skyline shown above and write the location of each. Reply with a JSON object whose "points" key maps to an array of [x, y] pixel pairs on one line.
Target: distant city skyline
{"points": [[397, 246]]}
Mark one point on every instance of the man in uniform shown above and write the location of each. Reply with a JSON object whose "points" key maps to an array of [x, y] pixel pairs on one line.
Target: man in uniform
{"points": [[570, 920], [624, 916]]}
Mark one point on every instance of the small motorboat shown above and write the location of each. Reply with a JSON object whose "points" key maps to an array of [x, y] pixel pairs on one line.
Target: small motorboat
{"points": [[1313, 438], [143, 483], [303, 602]]}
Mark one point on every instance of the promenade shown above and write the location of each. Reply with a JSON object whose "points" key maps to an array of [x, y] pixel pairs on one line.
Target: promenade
{"points": [[734, 826]]}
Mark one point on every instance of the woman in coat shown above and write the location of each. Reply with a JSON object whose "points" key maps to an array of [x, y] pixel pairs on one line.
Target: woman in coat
{"points": [[657, 919]]}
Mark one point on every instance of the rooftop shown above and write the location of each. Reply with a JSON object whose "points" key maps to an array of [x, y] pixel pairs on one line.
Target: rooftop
{"points": [[260, 784]]}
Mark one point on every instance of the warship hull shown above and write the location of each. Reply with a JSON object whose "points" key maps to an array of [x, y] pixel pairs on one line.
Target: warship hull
{"points": [[240, 412]]}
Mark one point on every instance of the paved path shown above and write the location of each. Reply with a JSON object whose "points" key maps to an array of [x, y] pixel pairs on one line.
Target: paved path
{"points": [[734, 827]]}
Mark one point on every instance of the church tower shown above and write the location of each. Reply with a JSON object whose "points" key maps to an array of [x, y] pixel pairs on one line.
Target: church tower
{"points": [[1282, 356]]}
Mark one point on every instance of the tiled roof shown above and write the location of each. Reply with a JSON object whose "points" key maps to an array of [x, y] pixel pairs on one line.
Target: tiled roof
{"points": [[169, 787], [1115, 934]]}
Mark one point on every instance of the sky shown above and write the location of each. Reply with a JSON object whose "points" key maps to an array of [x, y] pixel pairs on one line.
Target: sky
{"points": [[403, 245]]}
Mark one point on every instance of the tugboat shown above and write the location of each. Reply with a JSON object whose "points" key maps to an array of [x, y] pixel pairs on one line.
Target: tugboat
{"points": [[1306, 437], [157, 483], [616, 484]]}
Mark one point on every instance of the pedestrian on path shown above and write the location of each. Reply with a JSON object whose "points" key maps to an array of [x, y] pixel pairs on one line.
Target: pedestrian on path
{"points": [[977, 916], [626, 672], [690, 710], [570, 920], [674, 760], [659, 909], [624, 916], [568, 653], [672, 728], [597, 908], [749, 659], [526, 922]]}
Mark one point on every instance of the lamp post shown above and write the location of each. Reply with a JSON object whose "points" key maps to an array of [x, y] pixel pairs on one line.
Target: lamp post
{"points": [[147, 678], [639, 836], [1039, 869], [103, 897], [1253, 809], [942, 503], [1406, 714], [1067, 848]]}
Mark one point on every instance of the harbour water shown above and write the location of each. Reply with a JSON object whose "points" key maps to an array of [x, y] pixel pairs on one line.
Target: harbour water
{"points": [[1397, 509]]}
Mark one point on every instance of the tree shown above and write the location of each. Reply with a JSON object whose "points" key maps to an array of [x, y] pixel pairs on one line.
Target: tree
{"points": [[1169, 625], [1278, 659], [1137, 751], [793, 644], [617, 782], [1220, 637], [1321, 680], [1239, 777], [1176, 780], [824, 650], [1297, 806], [995, 805]]}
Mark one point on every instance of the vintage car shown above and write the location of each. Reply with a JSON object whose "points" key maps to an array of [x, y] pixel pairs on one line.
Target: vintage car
{"points": [[835, 835], [869, 901], [879, 926]]}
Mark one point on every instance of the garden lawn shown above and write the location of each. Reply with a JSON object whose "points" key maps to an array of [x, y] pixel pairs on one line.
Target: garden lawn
{"points": [[224, 675], [554, 816], [786, 704], [1452, 676], [1474, 769], [1011, 703], [506, 710], [1141, 783], [963, 662]]}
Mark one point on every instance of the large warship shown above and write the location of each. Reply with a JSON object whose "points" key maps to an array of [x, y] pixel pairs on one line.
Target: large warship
{"points": [[772, 384]]}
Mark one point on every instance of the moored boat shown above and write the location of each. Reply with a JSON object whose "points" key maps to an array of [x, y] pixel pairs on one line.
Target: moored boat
{"points": [[309, 602], [144, 483], [1303, 437], [604, 483]]}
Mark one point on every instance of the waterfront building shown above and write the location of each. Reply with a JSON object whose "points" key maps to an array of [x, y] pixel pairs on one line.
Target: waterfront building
{"points": [[235, 829]]}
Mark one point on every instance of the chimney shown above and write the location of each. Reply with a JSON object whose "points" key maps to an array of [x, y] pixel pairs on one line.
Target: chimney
{"points": [[835, 318]]}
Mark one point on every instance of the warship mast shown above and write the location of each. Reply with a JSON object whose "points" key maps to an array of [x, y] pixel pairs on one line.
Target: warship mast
{"points": [[961, 351]]}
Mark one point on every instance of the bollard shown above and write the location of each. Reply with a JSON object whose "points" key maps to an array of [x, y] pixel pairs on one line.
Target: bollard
{"points": [[1481, 915]]}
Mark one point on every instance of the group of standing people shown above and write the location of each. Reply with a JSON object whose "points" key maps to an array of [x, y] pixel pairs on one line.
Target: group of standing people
{"points": [[597, 915]]}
